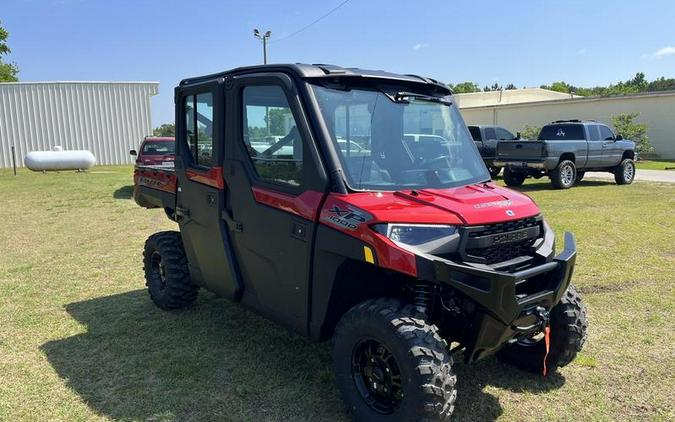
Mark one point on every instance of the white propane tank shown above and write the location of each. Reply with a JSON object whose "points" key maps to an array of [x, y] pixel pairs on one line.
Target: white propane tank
{"points": [[57, 159]]}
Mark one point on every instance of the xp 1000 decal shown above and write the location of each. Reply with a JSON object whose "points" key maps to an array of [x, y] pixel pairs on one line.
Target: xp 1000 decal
{"points": [[345, 217]]}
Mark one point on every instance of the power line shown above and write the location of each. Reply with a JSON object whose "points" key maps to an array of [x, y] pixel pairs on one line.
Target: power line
{"points": [[315, 21]]}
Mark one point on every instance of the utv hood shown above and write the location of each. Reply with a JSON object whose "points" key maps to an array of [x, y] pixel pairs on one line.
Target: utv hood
{"points": [[484, 203]]}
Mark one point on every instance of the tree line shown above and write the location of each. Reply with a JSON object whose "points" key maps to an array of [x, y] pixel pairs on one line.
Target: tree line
{"points": [[635, 85]]}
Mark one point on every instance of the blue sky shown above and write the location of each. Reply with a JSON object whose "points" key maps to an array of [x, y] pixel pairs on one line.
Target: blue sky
{"points": [[527, 43]]}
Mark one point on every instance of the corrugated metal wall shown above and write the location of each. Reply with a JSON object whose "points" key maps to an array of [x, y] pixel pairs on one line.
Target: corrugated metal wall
{"points": [[106, 118]]}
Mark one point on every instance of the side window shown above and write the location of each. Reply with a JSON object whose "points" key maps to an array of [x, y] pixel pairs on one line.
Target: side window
{"points": [[503, 134], [475, 133], [606, 134], [593, 133], [271, 136], [490, 133], [199, 128]]}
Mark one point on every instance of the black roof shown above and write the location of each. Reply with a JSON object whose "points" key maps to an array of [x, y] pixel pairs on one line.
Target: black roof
{"points": [[316, 71]]}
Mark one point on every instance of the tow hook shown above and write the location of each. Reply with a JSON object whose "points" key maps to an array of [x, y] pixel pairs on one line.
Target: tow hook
{"points": [[542, 320]]}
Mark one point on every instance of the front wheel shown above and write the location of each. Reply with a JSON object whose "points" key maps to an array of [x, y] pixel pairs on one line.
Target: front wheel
{"points": [[568, 334], [514, 178], [624, 174], [391, 365]]}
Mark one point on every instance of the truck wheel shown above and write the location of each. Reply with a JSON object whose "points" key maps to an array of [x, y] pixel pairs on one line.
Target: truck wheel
{"points": [[166, 271], [568, 334], [564, 175], [494, 171], [580, 176], [624, 173], [391, 365], [514, 178]]}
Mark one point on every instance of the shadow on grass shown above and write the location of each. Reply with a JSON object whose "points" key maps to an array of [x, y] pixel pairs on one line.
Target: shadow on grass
{"points": [[125, 192], [545, 184], [219, 361]]}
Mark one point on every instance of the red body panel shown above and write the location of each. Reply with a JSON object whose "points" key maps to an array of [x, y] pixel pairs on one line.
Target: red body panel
{"points": [[155, 178], [212, 177], [305, 205], [466, 205]]}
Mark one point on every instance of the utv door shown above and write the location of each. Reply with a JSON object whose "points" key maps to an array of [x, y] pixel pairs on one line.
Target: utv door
{"points": [[275, 187], [200, 193]]}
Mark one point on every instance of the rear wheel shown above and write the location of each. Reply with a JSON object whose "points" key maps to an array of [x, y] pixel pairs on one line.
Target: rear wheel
{"points": [[392, 365], [166, 271], [564, 175], [513, 178], [568, 333], [624, 173], [494, 171]]}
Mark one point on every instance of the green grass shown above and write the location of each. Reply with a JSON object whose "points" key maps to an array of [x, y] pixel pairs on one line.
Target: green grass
{"points": [[655, 164], [80, 339]]}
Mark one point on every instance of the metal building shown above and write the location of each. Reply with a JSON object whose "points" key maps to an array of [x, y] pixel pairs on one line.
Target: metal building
{"points": [[515, 109], [106, 118]]}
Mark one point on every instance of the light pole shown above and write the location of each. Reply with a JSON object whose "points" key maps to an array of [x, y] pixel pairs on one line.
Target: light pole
{"points": [[264, 38]]}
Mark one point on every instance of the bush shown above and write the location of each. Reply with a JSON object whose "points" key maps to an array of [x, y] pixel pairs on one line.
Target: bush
{"points": [[530, 132], [625, 125]]}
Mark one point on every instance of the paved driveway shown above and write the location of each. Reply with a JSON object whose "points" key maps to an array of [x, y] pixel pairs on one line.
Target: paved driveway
{"points": [[664, 176]]}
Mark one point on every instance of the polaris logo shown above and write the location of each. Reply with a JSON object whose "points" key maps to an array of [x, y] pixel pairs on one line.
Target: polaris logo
{"points": [[501, 239]]}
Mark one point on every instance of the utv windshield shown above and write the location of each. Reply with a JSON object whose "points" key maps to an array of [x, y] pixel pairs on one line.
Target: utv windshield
{"points": [[399, 140]]}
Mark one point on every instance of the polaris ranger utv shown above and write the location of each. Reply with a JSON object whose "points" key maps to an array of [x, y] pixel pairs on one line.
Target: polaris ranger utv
{"points": [[354, 205]]}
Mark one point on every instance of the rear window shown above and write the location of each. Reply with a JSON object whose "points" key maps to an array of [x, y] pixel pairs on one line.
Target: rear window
{"points": [[158, 148], [562, 132]]}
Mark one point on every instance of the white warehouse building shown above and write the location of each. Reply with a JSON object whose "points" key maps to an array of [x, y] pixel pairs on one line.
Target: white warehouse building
{"points": [[106, 118]]}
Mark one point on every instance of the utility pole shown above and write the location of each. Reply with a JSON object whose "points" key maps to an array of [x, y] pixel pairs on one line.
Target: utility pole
{"points": [[263, 37]]}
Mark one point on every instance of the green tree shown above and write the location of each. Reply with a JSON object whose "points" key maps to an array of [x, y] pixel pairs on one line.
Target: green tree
{"points": [[277, 121], [530, 132], [625, 125], [167, 129], [8, 71], [464, 87]]}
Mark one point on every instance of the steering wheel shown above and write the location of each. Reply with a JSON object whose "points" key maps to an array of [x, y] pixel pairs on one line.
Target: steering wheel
{"points": [[443, 160]]}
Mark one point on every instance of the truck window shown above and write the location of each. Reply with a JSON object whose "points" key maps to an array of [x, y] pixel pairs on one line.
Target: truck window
{"points": [[475, 133], [271, 136], [563, 132], [593, 133], [503, 134], [199, 128], [490, 133], [606, 134]]}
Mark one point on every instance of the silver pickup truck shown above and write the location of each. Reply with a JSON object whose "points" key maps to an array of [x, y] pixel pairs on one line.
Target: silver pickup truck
{"points": [[564, 151]]}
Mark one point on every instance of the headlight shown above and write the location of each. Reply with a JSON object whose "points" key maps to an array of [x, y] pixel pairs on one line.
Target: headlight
{"points": [[426, 238]]}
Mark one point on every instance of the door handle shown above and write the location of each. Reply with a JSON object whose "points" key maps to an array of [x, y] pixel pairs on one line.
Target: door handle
{"points": [[231, 223]]}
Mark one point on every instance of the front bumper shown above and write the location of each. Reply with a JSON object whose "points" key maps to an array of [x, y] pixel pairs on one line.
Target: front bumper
{"points": [[506, 300]]}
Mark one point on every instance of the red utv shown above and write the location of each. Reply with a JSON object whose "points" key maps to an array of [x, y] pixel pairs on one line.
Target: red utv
{"points": [[156, 151], [353, 205]]}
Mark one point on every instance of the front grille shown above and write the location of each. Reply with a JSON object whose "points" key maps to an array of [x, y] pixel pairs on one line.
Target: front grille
{"points": [[507, 249]]}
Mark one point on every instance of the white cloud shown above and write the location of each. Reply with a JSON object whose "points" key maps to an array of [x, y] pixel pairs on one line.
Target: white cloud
{"points": [[665, 51], [420, 46], [582, 51]]}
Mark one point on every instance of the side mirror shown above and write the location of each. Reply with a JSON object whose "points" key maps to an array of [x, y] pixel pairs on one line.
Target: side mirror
{"points": [[133, 152], [618, 138], [518, 135]]}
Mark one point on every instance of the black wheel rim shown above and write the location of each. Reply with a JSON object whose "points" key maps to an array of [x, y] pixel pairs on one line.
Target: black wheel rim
{"points": [[377, 376], [158, 269]]}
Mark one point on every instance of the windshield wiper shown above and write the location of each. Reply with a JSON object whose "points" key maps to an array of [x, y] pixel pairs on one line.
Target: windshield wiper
{"points": [[405, 97]]}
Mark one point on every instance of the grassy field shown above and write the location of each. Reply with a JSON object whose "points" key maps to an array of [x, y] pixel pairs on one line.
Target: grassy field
{"points": [[80, 339], [655, 164]]}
